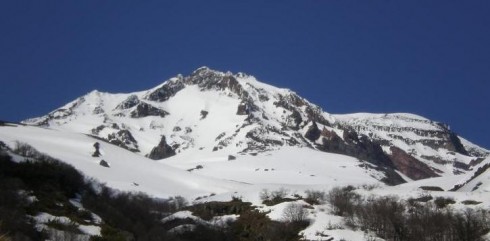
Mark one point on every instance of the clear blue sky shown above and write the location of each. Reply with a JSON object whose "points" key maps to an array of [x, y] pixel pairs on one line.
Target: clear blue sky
{"points": [[431, 58]]}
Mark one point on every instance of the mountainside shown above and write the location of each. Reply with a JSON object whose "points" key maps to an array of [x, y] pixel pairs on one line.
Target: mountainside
{"points": [[211, 113], [221, 156]]}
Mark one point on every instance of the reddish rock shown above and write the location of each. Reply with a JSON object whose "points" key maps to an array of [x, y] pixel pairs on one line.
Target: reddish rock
{"points": [[409, 165]]}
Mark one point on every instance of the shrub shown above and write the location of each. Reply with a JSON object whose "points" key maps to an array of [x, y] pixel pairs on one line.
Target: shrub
{"points": [[315, 197], [294, 212], [392, 219], [264, 195], [15, 223], [343, 200], [68, 227], [471, 224], [255, 225], [110, 234], [274, 197], [25, 150], [279, 194], [208, 210], [442, 202]]}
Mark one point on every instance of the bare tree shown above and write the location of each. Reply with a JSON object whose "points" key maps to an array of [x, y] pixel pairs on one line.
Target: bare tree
{"points": [[294, 212]]}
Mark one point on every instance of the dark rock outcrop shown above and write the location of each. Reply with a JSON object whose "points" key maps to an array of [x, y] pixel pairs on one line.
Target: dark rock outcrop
{"points": [[166, 91], [98, 129], [313, 133], [204, 114], [208, 79], [130, 102], [477, 173], [363, 149], [455, 144], [242, 109], [124, 139], [96, 152], [162, 151], [143, 110], [104, 163], [409, 165], [294, 103], [296, 118]]}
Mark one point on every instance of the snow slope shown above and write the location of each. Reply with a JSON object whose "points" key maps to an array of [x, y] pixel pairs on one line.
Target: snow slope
{"points": [[127, 172], [297, 168]]}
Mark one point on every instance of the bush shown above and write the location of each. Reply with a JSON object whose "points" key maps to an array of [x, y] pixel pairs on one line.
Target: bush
{"points": [[315, 197], [15, 223], [137, 214], [392, 219], [343, 200], [294, 212], [55, 175], [255, 225], [25, 150], [110, 234], [208, 210], [70, 227], [274, 197], [471, 224], [442, 202]]}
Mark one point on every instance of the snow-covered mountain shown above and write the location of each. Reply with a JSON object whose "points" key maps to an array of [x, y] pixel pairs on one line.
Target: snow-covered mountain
{"points": [[214, 136], [211, 113]]}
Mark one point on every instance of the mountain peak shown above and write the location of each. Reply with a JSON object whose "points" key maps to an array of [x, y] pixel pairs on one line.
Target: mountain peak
{"points": [[214, 113]]}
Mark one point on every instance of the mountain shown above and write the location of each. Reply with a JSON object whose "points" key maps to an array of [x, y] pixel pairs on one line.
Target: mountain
{"points": [[211, 113], [212, 137]]}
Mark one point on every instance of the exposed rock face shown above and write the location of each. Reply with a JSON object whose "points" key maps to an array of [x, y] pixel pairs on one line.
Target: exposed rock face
{"points": [[294, 103], [242, 109], [454, 144], [124, 139], [478, 172], [144, 109], [130, 102], [361, 148], [97, 130], [313, 132], [162, 151], [204, 114], [409, 165], [104, 163], [96, 152], [208, 79], [408, 132], [166, 91]]}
